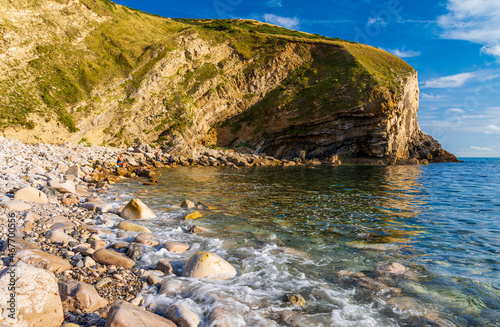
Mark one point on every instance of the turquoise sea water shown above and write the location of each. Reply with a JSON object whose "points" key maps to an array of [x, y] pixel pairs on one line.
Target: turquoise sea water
{"points": [[291, 229]]}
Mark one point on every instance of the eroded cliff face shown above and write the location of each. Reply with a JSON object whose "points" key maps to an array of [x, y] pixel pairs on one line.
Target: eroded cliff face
{"points": [[94, 71]]}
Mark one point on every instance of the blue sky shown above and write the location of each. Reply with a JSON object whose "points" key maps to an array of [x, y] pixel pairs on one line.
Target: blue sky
{"points": [[453, 44]]}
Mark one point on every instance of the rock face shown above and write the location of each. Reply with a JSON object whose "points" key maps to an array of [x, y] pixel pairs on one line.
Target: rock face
{"points": [[136, 209], [110, 257], [207, 264], [31, 194], [82, 296], [37, 298], [124, 314]]}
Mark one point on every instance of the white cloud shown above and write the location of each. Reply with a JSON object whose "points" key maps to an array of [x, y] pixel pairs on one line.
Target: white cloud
{"points": [[404, 53], [274, 3], [430, 96], [494, 127], [456, 110], [376, 21], [286, 22], [476, 21], [478, 148], [449, 81]]}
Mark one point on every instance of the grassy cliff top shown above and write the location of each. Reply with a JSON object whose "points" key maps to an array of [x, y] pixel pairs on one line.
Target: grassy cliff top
{"points": [[70, 53]]}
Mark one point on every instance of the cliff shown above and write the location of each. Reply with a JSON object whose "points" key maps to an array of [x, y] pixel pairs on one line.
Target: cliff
{"points": [[94, 71]]}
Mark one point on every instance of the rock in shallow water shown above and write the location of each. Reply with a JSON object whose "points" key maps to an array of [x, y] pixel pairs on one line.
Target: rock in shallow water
{"points": [[131, 227], [175, 247], [136, 209], [207, 264], [193, 215], [182, 316], [146, 239]]}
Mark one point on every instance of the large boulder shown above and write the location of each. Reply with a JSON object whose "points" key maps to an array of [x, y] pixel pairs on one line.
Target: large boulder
{"points": [[77, 295], [43, 260], [110, 257], [131, 227], [136, 209], [124, 314], [31, 194], [207, 264], [182, 316], [146, 239], [65, 187], [37, 298]]}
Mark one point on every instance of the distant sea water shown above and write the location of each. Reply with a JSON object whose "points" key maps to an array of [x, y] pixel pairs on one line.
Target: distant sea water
{"points": [[292, 229]]}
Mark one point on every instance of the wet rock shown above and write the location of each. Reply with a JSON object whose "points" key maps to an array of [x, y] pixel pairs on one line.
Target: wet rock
{"points": [[222, 317], [31, 194], [294, 299], [153, 279], [164, 266], [207, 264], [131, 227], [80, 296], [146, 239], [37, 297], [391, 269], [65, 187], [110, 257], [97, 206], [197, 230], [136, 209], [182, 316], [124, 314], [204, 206], [193, 215], [134, 251], [187, 204], [175, 247], [43, 260]]}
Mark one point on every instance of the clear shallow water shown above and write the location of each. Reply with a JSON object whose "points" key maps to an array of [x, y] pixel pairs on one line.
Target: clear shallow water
{"points": [[291, 229]]}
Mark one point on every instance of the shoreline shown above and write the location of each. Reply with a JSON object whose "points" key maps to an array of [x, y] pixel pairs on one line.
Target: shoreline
{"points": [[70, 228]]}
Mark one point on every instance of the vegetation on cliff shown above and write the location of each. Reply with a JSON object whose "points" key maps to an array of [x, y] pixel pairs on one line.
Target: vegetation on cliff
{"points": [[107, 50]]}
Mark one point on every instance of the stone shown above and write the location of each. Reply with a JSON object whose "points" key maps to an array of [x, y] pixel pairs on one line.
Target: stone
{"points": [[65, 187], [124, 314], [187, 204], [207, 264], [294, 299], [43, 260], [31, 194], [37, 297], [69, 200], [134, 251], [74, 171], [146, 239], [175, 247], [88, 262], [222, 317], [131, 227], [97, 244], [97, 206], [197, 230], [15, 205], [110, 257], [393, 269], [153, 279], [136, 209], [58, 235], [84, 250], [78, 295], [17, 244], [205, 206], [164, 266], [182, 316], [193, 215], [103, 282]]}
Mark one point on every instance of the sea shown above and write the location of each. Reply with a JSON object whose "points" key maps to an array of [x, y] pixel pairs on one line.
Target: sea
{"points": [[302, 229]]}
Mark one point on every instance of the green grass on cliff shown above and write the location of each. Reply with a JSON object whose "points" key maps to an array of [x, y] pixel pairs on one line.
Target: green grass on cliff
{"points": [[67, 71]]}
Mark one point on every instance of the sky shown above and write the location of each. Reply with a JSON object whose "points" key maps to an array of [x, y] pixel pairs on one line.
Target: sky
{"points": [[453, 44]]}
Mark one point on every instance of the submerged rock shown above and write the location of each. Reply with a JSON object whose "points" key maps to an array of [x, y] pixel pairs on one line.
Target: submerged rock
{"points": [[207, 264], [393, 269], [136, 209], [295, 299]]}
